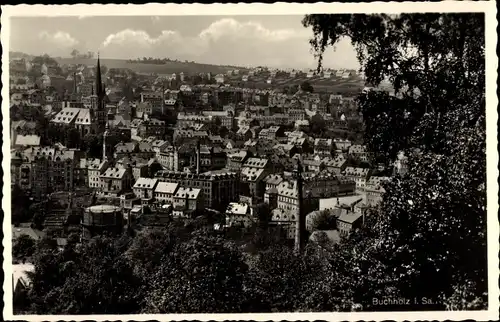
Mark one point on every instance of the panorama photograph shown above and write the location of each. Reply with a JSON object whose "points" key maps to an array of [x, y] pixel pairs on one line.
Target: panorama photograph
{"points": [[248, 164]]}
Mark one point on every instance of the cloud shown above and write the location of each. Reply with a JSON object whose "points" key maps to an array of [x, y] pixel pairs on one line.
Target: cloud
{"points": [[59, 39], [227, 41]]}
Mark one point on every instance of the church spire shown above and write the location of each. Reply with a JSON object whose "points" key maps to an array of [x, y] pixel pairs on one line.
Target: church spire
{"points": [[98, 80]]}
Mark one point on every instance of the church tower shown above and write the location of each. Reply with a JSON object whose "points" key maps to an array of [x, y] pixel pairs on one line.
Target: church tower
{"points": [[99, 107]]}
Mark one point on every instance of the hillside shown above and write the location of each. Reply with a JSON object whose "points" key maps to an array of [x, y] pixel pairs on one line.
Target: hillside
{"points": [[331, 85], [169, 67], [335, 85]]}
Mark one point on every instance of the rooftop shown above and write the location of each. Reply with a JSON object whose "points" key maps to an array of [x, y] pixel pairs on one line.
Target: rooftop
{"points": [[104, 209]]}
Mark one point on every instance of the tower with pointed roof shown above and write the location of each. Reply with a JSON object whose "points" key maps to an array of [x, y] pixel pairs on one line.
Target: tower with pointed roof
{"points": [[98, 96], [98, 80]]}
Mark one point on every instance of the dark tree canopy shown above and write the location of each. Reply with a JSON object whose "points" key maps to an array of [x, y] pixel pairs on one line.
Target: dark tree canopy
{"points": [[307, 87], [435, 215], [23, 247], [434, 62]]}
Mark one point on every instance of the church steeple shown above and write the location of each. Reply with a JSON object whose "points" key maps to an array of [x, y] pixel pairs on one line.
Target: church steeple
{"points": [[98, 80]]}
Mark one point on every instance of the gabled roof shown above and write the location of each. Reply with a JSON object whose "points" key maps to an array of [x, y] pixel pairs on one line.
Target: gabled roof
{"points": [[114, 173], [236, 208], [166, 187], [188, 193], [145, 183], [349, 217], [27, 140]]}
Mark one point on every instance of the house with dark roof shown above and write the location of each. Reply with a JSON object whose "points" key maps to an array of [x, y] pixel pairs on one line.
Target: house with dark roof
{"points": [[115, 181], [348, 222], [144, 188], [186, 201]]}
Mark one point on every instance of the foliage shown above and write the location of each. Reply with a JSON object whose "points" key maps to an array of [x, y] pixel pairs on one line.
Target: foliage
{"points": [[45, 59], [203, 274], [283, 281], [324, 221], [435, 215], [434, 62], [20, 206], [93, 144], [39, 211], [94, 279], [307, 87], [317, 125], [23, 247], [214, 126]]}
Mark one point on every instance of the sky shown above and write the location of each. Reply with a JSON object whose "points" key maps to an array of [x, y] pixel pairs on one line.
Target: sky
{"points": [[274, 41]]}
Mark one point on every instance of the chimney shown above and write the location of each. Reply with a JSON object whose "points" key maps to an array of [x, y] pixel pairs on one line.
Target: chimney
{"points": [[163, 98], [198, 157], [300, 221]]}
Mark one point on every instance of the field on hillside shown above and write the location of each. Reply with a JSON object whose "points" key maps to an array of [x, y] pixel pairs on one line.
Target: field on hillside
{"points": [[169, 67], [330, 85]]}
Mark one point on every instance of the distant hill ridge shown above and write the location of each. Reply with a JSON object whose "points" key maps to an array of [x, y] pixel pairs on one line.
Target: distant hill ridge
{"points": [[140, 67]]}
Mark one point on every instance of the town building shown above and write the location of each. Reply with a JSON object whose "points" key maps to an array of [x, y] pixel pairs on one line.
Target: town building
{"points": [[144, 188], [186, 201], [359, 175], [42, 170], [165, 191], [219, 187], [239, 214], [359, 152], [323, 147], [115, 181]]}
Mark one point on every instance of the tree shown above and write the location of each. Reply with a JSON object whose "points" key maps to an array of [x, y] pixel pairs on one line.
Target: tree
{"points": [[318, 125], [148, 248], [203, 274], [436, 213], [223, 131], [324, 221], [93, 279], [281, 280], [443, 72], [39, 211], [75, 53], [215, 126], [23, 247], [93, 144], [306, 87], [72, 139], [20, 206]]}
